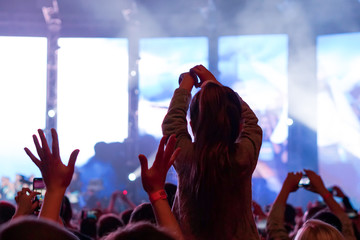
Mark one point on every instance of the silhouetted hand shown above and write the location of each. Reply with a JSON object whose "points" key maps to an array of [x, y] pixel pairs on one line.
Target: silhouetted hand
{"points": [[292, 180], [56, 175], [153, 179], [204, 74], [25, 202], [336, 191], [316, 183]]}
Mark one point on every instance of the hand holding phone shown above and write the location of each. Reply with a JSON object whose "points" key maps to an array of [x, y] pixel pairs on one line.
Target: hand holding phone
{"points": [[39, 186], [304, 181]]}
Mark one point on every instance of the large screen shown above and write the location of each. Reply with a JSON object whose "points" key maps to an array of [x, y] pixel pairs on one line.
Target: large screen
{"points": [[92, 94], [256, 68], [338, 59], [22, 107]]}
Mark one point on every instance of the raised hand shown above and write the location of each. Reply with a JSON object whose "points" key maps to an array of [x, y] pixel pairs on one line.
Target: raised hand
{"points": [[316, 183], [187, 81], [56, 175], [291, 181], [336, 191], [25, 202], [153, 179], [204, 74]]}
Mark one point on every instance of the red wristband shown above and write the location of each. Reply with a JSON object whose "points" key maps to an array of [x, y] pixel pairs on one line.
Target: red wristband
{"points": [[161, 194]]}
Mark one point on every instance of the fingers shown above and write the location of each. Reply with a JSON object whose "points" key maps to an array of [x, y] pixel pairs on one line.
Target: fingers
{"points": [[73, 158], [33, 158], [160, 152], [143, 163], [38, 147], [173, 158], [55, 143], [169, 149], [45, 147]]}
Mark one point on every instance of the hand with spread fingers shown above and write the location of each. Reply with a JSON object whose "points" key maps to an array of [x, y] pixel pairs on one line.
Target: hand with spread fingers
{"points": [[153, 179], [56, 175]]}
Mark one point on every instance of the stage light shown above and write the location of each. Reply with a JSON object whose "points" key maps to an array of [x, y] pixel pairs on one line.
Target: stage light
{"points": [[132, 177], [290, 122], [51, 113], [133, 73], [125, 192]]}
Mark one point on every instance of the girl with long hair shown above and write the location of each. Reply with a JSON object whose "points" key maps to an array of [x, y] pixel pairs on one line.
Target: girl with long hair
{"points": [[215, 170]]}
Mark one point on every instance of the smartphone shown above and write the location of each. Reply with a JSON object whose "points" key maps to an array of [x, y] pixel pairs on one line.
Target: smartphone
{"points": [[352, 214], [85, 214], [39, 186], [304, 181]]}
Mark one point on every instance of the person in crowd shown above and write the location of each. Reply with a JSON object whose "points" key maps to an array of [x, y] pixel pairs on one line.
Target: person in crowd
{"points": [[318, 230], [275, 224], [143, 212], [88, 227], [30, 228], [140, 231], [126, 215], [123, 196], [214, 191], [7, 211], [108, 223]]}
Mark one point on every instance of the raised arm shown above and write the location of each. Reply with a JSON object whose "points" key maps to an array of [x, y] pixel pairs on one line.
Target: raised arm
{"points": [[153, 181], [275, 225], [251, 134], [175, 121], [317, 185], [56, 175]]}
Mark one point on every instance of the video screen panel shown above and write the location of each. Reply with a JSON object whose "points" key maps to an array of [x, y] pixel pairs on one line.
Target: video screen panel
{"points": [[255, 67], [338, 59], [22, 107], [92, 93]]}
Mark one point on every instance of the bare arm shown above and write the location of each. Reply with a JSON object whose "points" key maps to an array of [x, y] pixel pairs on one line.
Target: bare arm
{"points": [[275, 225], [153, 181], [56, 175], [317, 186]]}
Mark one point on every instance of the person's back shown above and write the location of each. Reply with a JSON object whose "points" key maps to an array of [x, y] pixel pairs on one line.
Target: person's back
{"points": [[215, 171]]}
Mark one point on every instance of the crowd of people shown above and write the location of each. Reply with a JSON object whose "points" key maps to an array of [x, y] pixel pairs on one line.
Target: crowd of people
{"points": [[213, 197]]}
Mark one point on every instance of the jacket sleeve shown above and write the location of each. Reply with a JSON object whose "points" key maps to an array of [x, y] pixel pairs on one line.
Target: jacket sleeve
{"points": [[251, 135], [175, 121]]}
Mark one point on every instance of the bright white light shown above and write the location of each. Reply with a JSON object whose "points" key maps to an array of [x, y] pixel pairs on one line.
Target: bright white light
{"points": [[290, 122], [132, 177], [133, 73], [51, 113]]}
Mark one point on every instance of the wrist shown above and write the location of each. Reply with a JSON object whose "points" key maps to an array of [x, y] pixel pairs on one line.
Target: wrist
{"points": [[157, 195], [326, 195]]}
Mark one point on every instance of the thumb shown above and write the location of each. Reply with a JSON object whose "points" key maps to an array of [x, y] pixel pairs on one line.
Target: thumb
{"points": [[73, 158], [143, 163], [35, 205]]}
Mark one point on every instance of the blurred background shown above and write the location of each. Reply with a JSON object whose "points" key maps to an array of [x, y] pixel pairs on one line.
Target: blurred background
{"points": [[103, 73]]}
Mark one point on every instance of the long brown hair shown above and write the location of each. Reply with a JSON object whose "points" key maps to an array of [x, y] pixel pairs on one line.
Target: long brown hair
{"points": [[215, 113]]}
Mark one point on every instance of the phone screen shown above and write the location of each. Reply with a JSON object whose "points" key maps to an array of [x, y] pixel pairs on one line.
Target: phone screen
{"points": [[39, 186], [304, 181]]}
